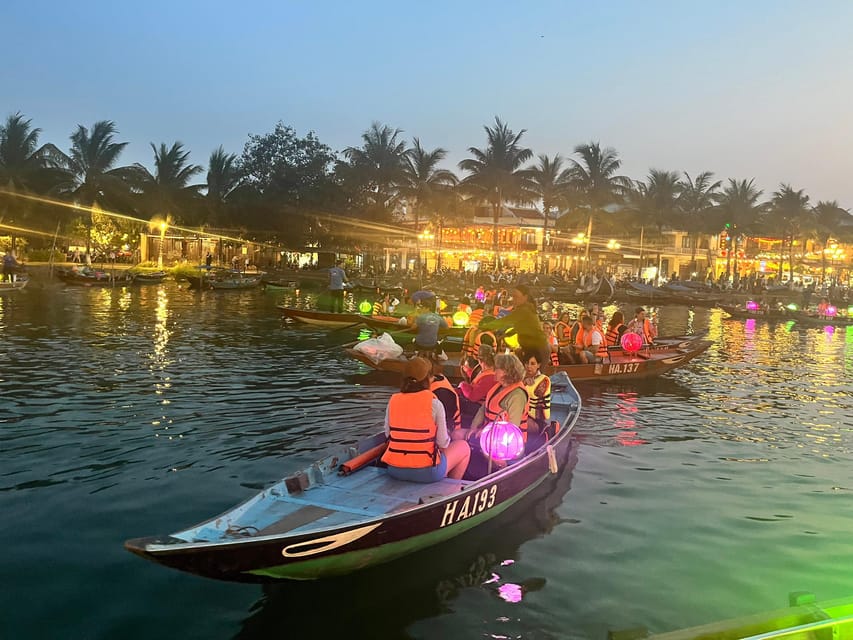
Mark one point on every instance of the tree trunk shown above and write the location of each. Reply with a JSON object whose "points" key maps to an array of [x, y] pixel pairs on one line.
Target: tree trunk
{"points": [[791, 261], [496, 207]]}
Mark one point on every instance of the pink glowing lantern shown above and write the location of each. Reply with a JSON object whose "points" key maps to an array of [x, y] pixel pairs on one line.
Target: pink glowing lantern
{"points": [[631, 342], [752, 305], [502, 440], [831, 311]]}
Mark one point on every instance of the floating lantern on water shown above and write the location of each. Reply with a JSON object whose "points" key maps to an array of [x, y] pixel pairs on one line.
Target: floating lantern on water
{"points": [[752, 305], [792, 307], [460, 318], [850, 310], [442, 305], [502, 440], [365, 307], [511, 341], [831, 311], [631, 342]]}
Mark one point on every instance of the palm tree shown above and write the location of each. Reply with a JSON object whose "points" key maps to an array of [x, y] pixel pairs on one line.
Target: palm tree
{"points": [[422, 183], [95, 180], [167, 190], [740, 209], [495, 174], [788, 211], [26, 167], [594, 180], [378, 166], [697, 200], [549, 182], [828, 219], [223, 178]]}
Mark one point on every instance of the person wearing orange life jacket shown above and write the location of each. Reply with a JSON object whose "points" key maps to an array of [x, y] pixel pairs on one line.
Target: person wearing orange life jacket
{"points": [[589, 343], [506, 400], [475, 337], [476, 315], [642, 326], [419, 446], [472, 394], [446, 394], [615, 329], [548, 330], [464, 306]]}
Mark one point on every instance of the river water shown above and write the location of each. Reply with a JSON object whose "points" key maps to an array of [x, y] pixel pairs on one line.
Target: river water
{"points": [[709, 493]]}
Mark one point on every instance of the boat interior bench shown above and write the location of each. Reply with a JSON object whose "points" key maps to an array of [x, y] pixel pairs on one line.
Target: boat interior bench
{"points": [[370, 492]]}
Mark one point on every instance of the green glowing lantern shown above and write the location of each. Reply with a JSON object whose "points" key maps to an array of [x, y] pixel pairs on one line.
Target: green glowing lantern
{"points": [[792, 307], [365, 307]]}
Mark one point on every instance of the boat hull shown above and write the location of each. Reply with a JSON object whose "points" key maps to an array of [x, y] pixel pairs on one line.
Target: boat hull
{"points": [[333, 551], [321, 318]]}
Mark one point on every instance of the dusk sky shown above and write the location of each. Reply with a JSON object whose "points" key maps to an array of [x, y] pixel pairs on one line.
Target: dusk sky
{"points": [[746, 89]]}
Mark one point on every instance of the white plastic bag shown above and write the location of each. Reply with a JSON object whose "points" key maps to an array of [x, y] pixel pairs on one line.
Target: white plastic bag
{"points": [[379, 349]]}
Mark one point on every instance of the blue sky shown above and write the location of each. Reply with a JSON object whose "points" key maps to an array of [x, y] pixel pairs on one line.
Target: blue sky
{"points": [[746, 89]]}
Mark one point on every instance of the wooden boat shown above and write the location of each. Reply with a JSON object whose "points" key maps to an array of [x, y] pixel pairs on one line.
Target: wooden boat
{"points": [[757, 314], [234, 280], [392, 323], [15, 285], [321, 318], [619, 365], [151, 277], [805, 618], [817, 321], [318, 523], [89, 277]]}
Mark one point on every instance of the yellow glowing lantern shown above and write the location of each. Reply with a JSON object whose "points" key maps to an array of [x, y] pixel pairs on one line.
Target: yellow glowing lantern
{"points": [[511, 341], [460, 318], [442, 305]]}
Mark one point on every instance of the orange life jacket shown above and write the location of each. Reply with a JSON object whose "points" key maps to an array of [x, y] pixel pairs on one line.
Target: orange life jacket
{"points": [[648, 334], [475, 316], [584, 340], [566, 340], [473, 339], [453, 421], [494, 410], [412, 441], [612, 336], [555, 359]]}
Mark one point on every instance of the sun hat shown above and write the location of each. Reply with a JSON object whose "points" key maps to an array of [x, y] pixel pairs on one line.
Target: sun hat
{"points": [[418, 368]]}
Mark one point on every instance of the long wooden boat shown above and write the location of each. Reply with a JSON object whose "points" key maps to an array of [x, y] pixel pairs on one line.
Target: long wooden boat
{"points": [[150, 277], [234, 281], [619, 365], [321, 318], [785, 315], [805, 618], [15, 285], [318, 523], [740, 313], [89, 277], [392, 323]]}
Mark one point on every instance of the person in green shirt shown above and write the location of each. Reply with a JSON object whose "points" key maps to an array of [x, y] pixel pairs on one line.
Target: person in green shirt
{"points": [[524, 322]]}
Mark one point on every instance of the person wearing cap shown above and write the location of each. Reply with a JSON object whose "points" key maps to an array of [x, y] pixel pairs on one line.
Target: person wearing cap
{"points": [[419, 446], [524, 322], [337, 278], [641, 325]]}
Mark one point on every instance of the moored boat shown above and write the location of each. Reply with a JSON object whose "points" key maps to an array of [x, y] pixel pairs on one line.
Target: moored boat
{"points": [[150, 277], [15, 285], [234, 280], [618, 365], [321, 318], [90, 277], [323, 521]]}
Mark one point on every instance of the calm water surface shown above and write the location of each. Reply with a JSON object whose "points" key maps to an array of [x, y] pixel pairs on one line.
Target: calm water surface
{"points": [[710, 493]]}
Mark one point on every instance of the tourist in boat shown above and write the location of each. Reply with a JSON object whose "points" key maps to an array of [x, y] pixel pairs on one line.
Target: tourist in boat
{"points": [[615, 329], [822, 306], [447, 395], [419, 447], [506, 400], [465, 307], [524, 322], [538, 387], [427, 322], [337, 278], [589, 343], [472, 394], [548, 330], [474, 337], [642, 326]]}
